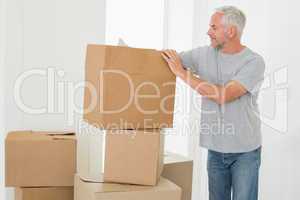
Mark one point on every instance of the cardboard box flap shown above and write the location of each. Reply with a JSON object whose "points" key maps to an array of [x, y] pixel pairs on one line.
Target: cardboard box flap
{"points": [[113, 187], [120, 58], [163, 184], [26, 136], [18, 134], [165, 190], [63, 137], [59, 133], [66, 135], [36, 135], [100, 187], [133, 61]]}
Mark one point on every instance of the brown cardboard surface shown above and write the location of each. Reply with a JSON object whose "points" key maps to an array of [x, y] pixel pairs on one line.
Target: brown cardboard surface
{"points": [[179, 170], [165, 190], [134, 156], [136, 84], [44, 193], [39, 159]]}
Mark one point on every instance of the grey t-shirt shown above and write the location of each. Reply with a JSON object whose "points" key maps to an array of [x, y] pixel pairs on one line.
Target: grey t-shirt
{"points": [[235, 126]]}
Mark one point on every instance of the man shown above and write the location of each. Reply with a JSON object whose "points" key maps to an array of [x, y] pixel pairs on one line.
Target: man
{"points": [[228, 76]]}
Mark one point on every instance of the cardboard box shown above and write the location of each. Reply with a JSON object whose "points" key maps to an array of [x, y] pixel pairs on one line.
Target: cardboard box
{"points": [[44, 193], [179, 170], [123, 156], [165, 190], [134, 156], [35, 159], [128, 88]]}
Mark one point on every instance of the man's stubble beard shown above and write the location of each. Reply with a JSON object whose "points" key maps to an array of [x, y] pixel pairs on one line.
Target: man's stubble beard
{"points": [[220, 45]]}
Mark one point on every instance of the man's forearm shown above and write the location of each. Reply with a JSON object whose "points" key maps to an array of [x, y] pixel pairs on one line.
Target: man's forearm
{"points": [[204, 88]]}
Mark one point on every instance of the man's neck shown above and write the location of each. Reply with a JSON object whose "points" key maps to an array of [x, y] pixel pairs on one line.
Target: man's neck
{"points": [[232, 48]]}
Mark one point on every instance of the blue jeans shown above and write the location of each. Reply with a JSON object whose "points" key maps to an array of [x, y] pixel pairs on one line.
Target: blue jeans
{"points": [[233, 175]]}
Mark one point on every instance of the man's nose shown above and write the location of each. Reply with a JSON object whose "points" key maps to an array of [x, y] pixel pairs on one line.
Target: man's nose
{"points": [[208, 32]]}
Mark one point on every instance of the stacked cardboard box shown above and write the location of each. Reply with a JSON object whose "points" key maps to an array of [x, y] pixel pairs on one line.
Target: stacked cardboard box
{"points": [[164, 190], [129, 100], [128, 88], [41, 165], [122, 156], [179, 170], [44, 193]]}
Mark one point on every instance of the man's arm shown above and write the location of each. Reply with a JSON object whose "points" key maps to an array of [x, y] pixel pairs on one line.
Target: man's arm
{"points": [[220, 94]]}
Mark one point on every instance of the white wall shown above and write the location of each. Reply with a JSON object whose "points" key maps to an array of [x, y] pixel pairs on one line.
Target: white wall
{"points": [[51, 37], [12, 61], [2, 82], [135, 22], [48, 37], [280, 169]]}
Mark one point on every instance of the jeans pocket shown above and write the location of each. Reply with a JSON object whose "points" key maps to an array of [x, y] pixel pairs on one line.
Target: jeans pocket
{"points": [[257, 156]]}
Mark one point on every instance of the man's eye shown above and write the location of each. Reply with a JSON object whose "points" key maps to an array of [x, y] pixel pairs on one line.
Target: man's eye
{"points": [[213, 28]]}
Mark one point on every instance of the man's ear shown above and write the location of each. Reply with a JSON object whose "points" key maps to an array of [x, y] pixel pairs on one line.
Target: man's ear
{"points": [[231, 32], [234, 31]]}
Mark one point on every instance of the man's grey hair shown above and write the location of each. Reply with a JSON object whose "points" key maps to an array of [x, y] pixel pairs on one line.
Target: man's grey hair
{"points": [[233, 16]]}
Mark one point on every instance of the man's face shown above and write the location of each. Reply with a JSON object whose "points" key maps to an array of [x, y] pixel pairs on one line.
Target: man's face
{"points": [[216, 31]]}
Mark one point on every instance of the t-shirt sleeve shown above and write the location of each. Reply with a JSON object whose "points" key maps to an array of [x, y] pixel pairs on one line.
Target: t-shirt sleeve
{"points": [[251, 75], [190, 59]]}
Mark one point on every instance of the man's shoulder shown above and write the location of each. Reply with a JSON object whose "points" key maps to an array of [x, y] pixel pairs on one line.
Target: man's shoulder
{"points": [[252, 55], [253, 62]]}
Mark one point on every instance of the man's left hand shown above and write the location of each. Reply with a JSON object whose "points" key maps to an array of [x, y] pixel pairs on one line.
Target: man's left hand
{"points": [[174, 62]]}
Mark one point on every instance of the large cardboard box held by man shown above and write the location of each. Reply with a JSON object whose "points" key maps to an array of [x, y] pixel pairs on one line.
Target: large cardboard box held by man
{"points": [[44, 193], [179, 170], [128, 88], [165, 190], [36, 159], [122, 156]]}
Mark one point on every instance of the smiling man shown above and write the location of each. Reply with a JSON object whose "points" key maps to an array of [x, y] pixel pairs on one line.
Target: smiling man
{"points": [[228, 75]]}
